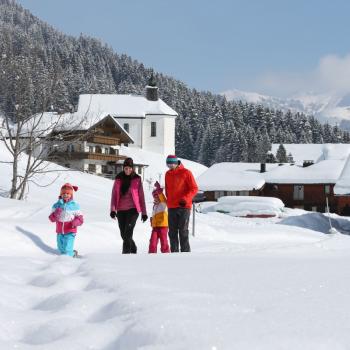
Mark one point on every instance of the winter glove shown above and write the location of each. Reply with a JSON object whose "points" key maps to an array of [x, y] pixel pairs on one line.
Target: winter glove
{"points": [[113, 214], [54, 216], [58, 211], [144, 218], [182, 203], [77, 221]]}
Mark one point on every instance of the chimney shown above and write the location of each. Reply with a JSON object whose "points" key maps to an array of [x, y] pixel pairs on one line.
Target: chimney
{"points": [[152, 89], [262, 167], [307, 163]]}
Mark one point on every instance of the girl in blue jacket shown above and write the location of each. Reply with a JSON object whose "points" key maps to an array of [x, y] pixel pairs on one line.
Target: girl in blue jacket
{"points": [[67, 216]]}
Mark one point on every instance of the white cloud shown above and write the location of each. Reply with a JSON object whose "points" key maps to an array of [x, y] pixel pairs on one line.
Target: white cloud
{"points": [[332, 75]]}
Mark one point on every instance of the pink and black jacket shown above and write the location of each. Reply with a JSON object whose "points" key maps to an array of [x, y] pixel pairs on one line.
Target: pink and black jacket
{"points": [[136, 193], [67, 216]]}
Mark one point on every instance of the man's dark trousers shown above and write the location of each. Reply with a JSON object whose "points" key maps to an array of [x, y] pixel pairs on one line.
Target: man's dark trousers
{"points": [[179, 219]]}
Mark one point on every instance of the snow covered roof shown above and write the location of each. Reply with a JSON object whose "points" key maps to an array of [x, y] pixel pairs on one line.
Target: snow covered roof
{"points": [[233, 177], [342, 186], [123, 106], [51, 121], [247, 176], [315, 152], [326, 171]]}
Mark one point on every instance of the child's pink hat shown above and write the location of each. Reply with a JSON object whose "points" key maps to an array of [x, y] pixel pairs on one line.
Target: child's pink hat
{"points": [[69, 187], [157, 189]]}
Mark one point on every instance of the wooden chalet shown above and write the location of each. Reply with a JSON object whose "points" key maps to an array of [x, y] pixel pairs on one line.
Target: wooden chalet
{"points": [[92, 149], [306, 186]]}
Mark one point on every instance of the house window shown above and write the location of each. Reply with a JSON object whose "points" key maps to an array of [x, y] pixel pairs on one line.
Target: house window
{"points": [[327, 189], [113, 151], [104, 169], [298, 193], [91, 149], [98, 149], [70, 148], [92, 168], [139, 170], [153, 129], [126, 127]]}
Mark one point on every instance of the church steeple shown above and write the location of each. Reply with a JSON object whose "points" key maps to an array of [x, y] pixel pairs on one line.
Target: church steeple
{"points": [[152, 89]]}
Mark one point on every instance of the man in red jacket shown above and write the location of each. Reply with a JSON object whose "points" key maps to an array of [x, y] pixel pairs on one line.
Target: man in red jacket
{"points": [[180, 188]]}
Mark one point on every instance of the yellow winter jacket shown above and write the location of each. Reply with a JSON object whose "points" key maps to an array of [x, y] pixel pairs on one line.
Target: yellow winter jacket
{"points": [[160, 213]]}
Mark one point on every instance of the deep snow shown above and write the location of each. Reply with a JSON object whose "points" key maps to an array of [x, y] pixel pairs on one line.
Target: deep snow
{"points": [[248, 283]]}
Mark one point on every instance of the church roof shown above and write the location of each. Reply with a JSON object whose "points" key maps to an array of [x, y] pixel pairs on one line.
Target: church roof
{"points": [[123, 106]]}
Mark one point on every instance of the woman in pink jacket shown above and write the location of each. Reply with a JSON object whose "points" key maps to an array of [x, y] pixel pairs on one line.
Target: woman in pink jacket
{"points": [[127, 202]]}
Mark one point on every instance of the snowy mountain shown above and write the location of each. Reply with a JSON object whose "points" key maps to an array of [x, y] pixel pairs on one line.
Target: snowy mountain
{"points": [[326, 107]]}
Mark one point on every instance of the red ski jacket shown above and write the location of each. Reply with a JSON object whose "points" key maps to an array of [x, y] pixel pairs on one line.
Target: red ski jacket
{"points": [[180, 185]]}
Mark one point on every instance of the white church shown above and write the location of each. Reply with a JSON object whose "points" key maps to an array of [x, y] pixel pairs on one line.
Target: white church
{"points": [[148, 120], [91, 138]]}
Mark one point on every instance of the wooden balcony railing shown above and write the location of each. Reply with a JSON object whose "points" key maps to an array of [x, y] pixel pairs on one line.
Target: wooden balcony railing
{"points": [[104, 140], [85, 155]]}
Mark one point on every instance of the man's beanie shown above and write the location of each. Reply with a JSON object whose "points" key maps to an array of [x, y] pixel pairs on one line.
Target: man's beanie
{"points": [[171, 159], [128, 162]]}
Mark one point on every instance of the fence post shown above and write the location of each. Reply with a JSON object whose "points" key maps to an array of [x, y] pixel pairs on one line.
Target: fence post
{"points": [[193, 219], [329, 217]]}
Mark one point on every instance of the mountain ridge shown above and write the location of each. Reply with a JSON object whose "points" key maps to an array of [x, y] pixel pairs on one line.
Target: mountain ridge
{"points": [[332, 108]]}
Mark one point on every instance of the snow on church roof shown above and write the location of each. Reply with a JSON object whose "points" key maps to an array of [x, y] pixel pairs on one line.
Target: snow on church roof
{"points": [[96, 105], [92, 108]]}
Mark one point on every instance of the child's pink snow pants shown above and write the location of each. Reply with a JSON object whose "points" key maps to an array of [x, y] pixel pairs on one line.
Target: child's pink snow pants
{"points": [[160, 233]]}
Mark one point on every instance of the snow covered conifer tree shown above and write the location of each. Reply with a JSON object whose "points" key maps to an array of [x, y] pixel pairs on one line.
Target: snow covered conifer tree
{"points": [[281, 154]]}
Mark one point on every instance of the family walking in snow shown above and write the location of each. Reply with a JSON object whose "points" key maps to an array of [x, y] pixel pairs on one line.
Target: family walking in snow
{"points": [[170, 211], [170, 215]]}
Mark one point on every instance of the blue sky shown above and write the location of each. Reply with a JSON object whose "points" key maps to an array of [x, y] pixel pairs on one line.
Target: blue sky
{"points": [[279, 47]]}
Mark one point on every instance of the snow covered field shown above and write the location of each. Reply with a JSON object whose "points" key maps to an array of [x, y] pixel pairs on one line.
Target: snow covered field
{"points": [[248, 283]]}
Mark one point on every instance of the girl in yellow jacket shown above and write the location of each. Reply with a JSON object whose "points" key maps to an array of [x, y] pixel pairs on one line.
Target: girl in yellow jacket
{"points": [[159, 222]]}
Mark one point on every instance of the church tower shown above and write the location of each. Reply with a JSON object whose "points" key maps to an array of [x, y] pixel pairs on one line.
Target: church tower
{"points": [[152, 89]]}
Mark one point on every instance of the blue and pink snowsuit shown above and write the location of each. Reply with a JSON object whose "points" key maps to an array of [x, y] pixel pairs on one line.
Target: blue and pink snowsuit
{"points": [[68, 217]]}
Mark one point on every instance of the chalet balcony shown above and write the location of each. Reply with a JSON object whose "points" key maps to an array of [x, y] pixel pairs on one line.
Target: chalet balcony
{"points": [[59, 156], [103, 140]]}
